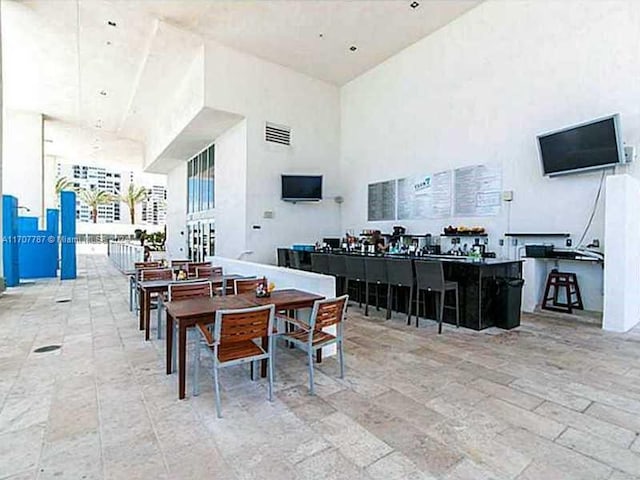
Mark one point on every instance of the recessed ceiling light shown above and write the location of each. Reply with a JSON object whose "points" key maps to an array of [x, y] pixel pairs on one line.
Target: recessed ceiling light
{"points": [[321, 35], [414, 4], [108, 42], [103, 93], [353, 48], [111, 24]]}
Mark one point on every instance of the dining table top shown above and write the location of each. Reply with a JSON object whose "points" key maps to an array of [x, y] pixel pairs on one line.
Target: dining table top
{"points": [[201, 306]]}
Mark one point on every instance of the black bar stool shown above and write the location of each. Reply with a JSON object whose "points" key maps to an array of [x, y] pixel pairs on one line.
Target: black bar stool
{"points": [[293, 257], [430, 278], [559, 281], [399, 275], [356, 272], [320, 263], [376, 270], [338, 268], [283, 257]]}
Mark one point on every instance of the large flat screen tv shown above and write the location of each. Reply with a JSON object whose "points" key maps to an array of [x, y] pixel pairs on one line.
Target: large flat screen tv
{"points": [[301, 188], [587, 146]]}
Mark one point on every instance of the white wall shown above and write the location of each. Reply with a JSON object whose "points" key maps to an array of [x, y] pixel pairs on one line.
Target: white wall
{"points": [[176, 242], [22, 165], [478, 91], [622, 266], [261, 92], [231, 191]]}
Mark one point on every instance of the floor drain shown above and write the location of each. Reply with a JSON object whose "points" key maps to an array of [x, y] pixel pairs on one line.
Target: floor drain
{"points": [[63, 300], [47, 348]]}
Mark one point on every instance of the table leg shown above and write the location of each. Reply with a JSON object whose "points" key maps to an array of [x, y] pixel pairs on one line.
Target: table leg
{"points": [[319, 355], [263, 364], [141, 308], [169, 343], [147, 313], [182, 361]]}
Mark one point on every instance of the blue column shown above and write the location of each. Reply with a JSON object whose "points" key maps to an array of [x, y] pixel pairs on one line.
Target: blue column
{"points": [[53, 229], [68, 235], [10, 254]]}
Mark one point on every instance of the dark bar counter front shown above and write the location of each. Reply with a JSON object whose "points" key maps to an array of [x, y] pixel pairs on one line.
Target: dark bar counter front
{"points": [[478, 283]]}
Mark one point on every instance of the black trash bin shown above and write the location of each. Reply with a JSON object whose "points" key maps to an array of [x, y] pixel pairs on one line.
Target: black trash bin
{"points": [[509, 301]]}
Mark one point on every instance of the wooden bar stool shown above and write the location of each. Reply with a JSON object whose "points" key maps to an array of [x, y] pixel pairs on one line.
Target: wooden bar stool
{"points": [[558, 281]]}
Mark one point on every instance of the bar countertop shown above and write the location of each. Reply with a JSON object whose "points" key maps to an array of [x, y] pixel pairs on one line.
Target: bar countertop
{"points": [[478, 262]]}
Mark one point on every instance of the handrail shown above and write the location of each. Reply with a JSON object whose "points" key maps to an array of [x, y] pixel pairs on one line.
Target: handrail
{"points": [[125, 254]]}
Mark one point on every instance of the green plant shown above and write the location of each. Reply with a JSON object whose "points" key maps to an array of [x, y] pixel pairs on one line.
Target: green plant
{"points": [[132, 197], [94, 198], [62, 184]]}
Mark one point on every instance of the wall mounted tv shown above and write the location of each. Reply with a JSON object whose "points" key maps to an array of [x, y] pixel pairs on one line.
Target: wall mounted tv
{"points": [[301, 188], [588, 146]]}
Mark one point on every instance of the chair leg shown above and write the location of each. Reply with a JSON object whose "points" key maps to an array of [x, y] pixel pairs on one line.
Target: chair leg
{"points": [[131, 294], [174, 350], [270, 365], [410, 307], [216, 384], [341, 353], [310, 355], [377, 297], [389, 302], [196, 369], [457, 308], [441, 296], [366, 299], [159, 315]]}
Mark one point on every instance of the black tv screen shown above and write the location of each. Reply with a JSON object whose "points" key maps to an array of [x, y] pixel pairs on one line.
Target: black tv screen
{"points": [[588, 146], [301, 187]]}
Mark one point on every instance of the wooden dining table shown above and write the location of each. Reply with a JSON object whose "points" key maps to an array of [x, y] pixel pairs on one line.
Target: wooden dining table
{"points": [[186, 313], [149, 287]]}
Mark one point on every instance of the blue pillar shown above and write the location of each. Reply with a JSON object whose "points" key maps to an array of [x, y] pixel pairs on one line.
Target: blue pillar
{"points": [[67, 235], [53, 230], [10, 253]]}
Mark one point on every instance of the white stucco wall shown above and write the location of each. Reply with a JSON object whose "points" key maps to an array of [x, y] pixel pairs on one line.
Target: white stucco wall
{"points": [[176, 243], [22, 165], [478, 91]]}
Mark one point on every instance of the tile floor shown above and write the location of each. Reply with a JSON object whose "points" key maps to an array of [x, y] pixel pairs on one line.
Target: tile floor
{"points": [[550, 400]]}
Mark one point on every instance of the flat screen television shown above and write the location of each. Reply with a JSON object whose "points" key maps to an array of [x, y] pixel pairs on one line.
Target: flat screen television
{"points": [[301, 188], [588, 146]]}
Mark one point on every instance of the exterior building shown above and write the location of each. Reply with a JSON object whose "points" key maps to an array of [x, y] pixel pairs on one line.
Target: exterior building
{"points": [[150, 212]]}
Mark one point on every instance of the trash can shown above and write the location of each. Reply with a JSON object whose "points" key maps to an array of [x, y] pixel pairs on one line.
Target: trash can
{"points": [[509, 300]]}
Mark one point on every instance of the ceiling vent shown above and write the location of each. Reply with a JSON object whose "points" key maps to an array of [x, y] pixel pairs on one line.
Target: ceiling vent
{"points": [[277, 133]]}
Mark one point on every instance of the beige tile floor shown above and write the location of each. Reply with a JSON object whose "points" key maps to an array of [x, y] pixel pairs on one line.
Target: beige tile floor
{"points": [[550, 400]]}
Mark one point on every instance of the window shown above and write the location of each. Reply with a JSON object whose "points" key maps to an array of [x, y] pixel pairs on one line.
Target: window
{"points": [[200, 181]]}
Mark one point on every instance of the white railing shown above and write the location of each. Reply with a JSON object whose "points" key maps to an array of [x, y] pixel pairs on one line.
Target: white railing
{"points": [[125, 254]]}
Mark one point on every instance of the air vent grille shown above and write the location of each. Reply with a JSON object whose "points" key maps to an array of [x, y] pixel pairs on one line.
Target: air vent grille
{"points": [[277, 134]]}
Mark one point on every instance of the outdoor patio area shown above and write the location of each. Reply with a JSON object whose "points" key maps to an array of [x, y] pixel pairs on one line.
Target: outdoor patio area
{"points": [[550, 400]]}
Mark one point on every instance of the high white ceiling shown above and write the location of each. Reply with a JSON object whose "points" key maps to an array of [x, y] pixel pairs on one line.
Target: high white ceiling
{"points": [[63, 58]]}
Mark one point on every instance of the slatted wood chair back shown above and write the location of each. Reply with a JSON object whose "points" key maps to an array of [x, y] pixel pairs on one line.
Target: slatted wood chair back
{"points": [[185, 291], [206, 272], [181, 264], [234, 326], [138, 265], [245, 285], [159, 274], [139, 270], [328, 312], [193, 266]]}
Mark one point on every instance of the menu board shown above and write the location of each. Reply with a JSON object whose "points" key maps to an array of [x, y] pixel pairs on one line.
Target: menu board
{"points": [[382, 201], [478, 191], [425, 196]]}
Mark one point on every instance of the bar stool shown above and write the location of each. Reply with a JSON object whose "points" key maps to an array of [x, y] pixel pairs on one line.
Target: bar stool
{"points": [[376, 270], [320, 263], [294, 259], [558, 281], [430, 278], [283, 257], [356, 272], [399, 275], [338, 268]]}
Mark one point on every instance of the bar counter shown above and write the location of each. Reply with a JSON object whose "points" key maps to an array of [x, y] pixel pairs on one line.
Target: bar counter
{"points": [[477, 280]]}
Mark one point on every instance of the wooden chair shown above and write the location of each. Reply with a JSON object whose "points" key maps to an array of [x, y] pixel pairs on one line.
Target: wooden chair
{"points": [[193, 266], [182, 264], [184, 291], [133, 279], [245, 285], [233, 342], [430, 278], [147, 274], [207, 272], [311, 336]]}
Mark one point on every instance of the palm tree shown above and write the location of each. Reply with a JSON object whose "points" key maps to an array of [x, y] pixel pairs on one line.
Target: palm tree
{"points": [[132, 197], [63, 183], [94, 198]]}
